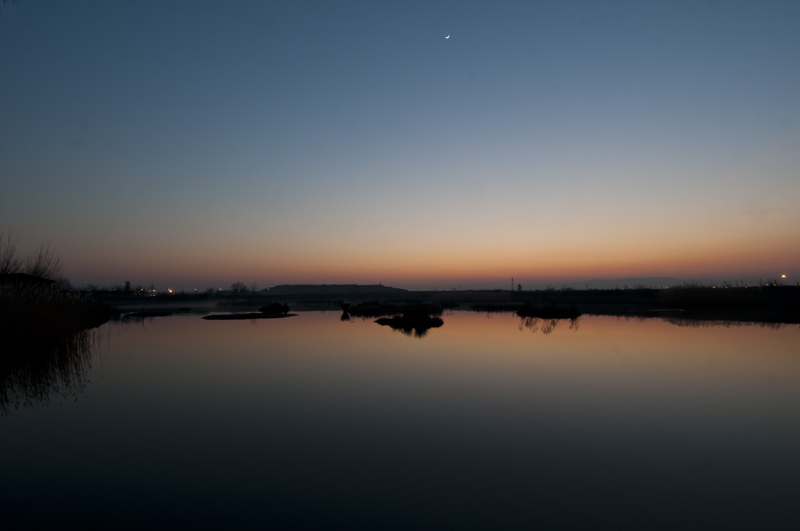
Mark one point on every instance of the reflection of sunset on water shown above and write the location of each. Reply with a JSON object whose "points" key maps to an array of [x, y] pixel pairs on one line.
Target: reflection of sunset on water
{"points": [[482, 343], [480, 407]]}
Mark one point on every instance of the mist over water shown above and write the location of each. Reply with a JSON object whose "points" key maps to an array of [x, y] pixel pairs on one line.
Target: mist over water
{"points": [[489, 421]]}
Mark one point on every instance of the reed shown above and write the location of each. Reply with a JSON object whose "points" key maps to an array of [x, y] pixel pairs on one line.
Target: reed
{"points": [[35, 372], [36, 304], [43, 313]]}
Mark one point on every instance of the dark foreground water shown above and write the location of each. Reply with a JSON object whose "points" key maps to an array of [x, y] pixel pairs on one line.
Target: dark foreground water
{"points": [[484, 423]]}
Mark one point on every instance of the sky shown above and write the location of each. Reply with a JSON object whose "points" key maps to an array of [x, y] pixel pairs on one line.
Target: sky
{"points": [[192, 144]]}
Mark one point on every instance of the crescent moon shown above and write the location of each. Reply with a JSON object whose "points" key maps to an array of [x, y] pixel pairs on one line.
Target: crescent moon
{"points": [[447, 37]]}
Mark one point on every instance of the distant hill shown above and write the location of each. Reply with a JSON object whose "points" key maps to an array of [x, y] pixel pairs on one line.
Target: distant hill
{"points": [[647, 282], [330, 289]]}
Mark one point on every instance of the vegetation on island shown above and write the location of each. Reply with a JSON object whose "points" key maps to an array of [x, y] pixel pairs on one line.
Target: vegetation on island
{"points": [[414, 319], [549, 312]]}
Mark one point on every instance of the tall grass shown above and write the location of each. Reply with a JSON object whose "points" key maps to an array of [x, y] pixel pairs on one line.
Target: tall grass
{"points": [[44, 262], [43, 313], [9, 263], [46, 344]]}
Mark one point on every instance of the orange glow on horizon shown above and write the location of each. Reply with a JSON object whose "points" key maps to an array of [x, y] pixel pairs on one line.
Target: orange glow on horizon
{"points": [[444, 258]]}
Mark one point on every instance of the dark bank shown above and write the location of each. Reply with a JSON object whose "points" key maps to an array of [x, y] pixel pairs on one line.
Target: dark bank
{"points": [[768, 303]]}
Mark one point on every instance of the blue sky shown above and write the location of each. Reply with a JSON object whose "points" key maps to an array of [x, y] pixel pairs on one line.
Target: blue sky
{"points": [[205, 142]]}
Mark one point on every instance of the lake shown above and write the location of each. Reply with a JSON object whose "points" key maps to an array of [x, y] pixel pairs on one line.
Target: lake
{"points": [[314, 422]]}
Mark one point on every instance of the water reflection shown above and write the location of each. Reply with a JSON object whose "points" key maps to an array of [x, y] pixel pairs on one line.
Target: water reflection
{"points": [[418, 324], [34, 373], [411, 324], [546, 325], [695, 323], [418, 331], [314, 423]]}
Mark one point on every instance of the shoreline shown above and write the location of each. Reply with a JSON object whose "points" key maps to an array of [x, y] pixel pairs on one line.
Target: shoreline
{"points": [[774, 304]]}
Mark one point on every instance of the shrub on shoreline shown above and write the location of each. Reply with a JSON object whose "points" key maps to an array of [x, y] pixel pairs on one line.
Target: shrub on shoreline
{"points": [[36, 306], [43, 313]]}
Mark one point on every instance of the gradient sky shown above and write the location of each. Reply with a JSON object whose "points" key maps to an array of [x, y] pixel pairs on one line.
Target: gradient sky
{"points": [[192, 144]]}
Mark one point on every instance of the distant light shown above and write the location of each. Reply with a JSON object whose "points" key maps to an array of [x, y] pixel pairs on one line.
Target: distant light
{"points": [[783, 276]]}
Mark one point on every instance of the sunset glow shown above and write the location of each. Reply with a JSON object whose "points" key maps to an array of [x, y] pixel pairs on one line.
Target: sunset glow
{"points": [[546, 143]]}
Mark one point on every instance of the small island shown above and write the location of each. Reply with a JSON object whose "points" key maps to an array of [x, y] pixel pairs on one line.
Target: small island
{"points": [[270, 311], [414, 319]]}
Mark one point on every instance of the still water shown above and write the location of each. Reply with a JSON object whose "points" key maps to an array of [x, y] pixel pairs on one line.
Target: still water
{"points": [[487, 423]]}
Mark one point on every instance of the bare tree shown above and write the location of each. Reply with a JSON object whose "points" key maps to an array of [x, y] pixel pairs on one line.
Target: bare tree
{"points": [[46, 264], [9, 263], [239, 287]]}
